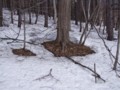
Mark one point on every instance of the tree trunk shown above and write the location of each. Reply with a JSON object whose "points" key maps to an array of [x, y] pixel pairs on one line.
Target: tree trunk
{"points": [[1, 16], [64, 17], [118, 46], [55, 11], [79, 13], [109, 20], [37, 14], [19, 14], [76, 12], [29, 12], [11, 7], [46, 14], [117, 52]]}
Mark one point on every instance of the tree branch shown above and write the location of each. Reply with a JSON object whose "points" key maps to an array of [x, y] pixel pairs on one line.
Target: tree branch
{"points": [[95, 73], [14, 39], [49, 75]]}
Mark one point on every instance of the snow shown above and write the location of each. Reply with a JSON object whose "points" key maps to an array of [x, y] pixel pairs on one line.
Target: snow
{"points": [[24, 73]]}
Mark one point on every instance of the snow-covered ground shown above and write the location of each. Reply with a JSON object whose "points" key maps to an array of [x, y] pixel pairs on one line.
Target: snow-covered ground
{"points": [[33, 73]]}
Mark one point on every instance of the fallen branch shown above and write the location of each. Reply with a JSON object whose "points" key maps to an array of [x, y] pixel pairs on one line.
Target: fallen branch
{"points": [[49, 75], [95, 73], [14, 39]]}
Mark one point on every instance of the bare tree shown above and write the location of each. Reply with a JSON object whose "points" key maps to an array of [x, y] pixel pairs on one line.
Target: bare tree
{"points": [[11, 7], [29, 12], [64, 17], [117, 52], [76, 12], [19, 10], [37, 11], [46, 14], [55, 11], [109, 20], [1, 16]]}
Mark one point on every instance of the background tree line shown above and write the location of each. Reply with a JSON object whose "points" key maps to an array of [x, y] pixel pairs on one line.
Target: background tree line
{"points": [[102, 13], [81, 11]]}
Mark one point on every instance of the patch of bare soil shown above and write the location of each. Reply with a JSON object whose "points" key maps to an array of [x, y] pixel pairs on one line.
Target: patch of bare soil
{"points": [[71, 49], [23, 52]]}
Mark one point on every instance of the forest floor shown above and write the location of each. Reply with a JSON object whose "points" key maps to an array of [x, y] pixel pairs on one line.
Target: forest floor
{"points": [[47, 72]]}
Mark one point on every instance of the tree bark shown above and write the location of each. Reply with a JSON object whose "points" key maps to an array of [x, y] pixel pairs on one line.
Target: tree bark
{"points": [[11, 7], [109, 21], [76, 12], [46, 14], [29, 12], [118, 46], [19, 14], [117, 52], [55, 11], [1, 16], [63, 27]]}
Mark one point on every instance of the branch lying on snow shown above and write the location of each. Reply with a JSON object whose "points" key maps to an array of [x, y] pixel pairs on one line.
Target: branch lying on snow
{"points": [[95, 73], [117, 74], [14, 39], [49, 75]]}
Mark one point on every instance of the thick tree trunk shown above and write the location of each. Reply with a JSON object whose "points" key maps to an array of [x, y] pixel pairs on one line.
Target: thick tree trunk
{"points": [[1, 16], [64, 17]]}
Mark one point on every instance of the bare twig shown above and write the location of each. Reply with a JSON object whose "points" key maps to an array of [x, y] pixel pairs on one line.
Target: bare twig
{"points": [[104, 42], [95, 73], [16, 36], [45, 76], [49, 75], [17, 40]]}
